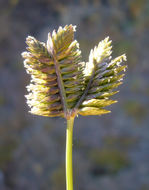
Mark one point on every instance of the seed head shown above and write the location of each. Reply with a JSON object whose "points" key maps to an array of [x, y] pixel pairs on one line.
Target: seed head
{"points": [[61, 84]]}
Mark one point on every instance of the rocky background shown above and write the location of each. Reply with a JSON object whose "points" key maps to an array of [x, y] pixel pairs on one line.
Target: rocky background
{"points": [[111, 152]]}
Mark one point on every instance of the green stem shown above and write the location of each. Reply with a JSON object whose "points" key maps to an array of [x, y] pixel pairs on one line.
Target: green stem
{"points": [[69, 139]]}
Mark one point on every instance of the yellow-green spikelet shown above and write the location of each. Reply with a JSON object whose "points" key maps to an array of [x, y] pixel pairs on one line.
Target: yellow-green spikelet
{"points": [[61, 84], [44, 96], [105, 75]]}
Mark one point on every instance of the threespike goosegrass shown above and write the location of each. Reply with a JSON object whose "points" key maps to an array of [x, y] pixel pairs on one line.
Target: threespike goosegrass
{"points": [[65, 86]]}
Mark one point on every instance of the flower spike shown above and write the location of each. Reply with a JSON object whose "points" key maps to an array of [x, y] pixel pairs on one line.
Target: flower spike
{"points": [[55, 69], [63, 85]]}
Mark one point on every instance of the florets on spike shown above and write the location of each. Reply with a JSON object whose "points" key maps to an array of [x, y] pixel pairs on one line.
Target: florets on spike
{"points": [[104, 74], [56, 73], [61, 84]]}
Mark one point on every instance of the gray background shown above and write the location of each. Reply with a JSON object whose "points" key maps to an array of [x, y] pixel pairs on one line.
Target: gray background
{"points": [[111, 152]]}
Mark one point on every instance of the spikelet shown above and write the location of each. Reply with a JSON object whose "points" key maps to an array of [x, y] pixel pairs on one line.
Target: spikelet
{"points": [[102, 76], [61, 84], [56, 73]]}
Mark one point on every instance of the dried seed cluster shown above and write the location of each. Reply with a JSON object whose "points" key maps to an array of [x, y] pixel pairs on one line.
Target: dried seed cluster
{"points": [[62, 84]]}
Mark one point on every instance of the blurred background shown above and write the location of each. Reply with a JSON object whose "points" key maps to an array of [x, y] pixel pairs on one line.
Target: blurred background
{"points": [[111, 152]]}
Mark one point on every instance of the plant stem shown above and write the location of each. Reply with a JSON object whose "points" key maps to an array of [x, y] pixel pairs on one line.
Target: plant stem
{"points": [[69, 139]]}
